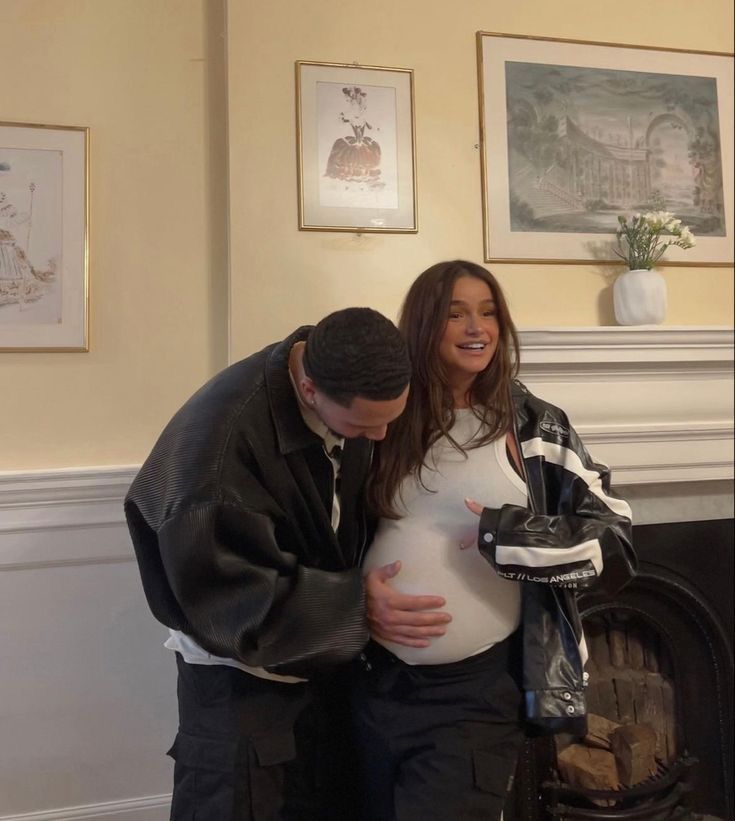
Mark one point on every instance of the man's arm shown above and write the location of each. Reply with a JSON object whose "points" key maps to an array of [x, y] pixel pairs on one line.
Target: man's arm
{"points": [[245, 596]]}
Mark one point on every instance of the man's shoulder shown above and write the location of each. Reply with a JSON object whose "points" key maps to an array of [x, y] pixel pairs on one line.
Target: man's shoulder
{"points": [[188, 456], [209, 414], [239, 389], [219, 433]]}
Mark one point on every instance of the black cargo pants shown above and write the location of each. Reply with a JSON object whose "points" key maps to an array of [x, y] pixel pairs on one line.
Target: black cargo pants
{"points": [[252, 749], [437, 742]]}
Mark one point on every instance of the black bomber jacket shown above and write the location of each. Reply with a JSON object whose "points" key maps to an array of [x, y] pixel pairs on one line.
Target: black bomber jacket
{"points": [[230, 518], [574, 534]]}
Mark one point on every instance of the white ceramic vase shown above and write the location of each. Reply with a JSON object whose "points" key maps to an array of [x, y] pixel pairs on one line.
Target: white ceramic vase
{"points": [[640, 298]]}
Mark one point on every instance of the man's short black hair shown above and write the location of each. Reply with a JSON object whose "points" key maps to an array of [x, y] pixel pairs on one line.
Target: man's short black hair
{"points": [[357, 352]]}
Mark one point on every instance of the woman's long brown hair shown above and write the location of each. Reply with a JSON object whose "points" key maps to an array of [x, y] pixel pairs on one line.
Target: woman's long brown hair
{"points": [[429, 412]]}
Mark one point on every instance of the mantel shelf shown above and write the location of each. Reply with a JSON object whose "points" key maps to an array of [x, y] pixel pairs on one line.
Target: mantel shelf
{"points": [[639, 348]]}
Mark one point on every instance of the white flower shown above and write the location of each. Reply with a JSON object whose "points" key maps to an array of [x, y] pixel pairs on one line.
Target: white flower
{"points": [[686, 238], [658, 219], [642, 242]]}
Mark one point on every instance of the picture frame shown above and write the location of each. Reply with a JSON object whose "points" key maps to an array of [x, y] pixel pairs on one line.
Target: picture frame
{"points": [[574, 133], [44, 242], [356, 155]]}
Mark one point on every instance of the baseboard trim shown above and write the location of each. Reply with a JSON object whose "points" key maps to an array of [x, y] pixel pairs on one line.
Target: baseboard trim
{"points": [[149, 808]]}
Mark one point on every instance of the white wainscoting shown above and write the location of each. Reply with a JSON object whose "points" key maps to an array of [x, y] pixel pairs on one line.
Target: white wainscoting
{"points": [[87, 692], [87, 707]]}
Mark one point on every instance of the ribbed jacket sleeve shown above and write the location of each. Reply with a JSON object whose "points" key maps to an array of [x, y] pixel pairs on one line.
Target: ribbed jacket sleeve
{"points": [[242, 596]]}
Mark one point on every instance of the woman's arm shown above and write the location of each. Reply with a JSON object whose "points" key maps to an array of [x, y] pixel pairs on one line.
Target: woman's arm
{"points": [[589, 529]]}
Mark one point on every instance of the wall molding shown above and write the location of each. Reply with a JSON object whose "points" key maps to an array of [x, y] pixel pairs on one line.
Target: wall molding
{"points": [[64, 517], [633, 351], [622, 434], [63, 498], [150, 808], [72, 484]]}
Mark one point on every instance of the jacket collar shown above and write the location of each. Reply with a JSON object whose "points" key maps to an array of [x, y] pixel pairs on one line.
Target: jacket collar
{"points": [[291, 431], [519, 396]]}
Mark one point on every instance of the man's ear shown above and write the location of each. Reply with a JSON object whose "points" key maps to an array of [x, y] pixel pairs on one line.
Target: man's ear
{"points": [[308, 390]]}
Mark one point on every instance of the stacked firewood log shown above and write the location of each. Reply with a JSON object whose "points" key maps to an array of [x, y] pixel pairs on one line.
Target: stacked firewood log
{"points": [[610, 756]]}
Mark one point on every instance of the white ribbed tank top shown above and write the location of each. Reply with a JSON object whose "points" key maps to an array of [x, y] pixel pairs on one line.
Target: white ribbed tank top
{"points": [[485, 609]]}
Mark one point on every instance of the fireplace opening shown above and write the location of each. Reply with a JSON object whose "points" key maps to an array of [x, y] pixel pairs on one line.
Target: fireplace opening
{"points": [[629, 763], [631, 685], [660, 699]]}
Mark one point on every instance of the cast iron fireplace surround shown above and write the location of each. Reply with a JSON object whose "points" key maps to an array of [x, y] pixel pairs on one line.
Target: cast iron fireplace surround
{"points": [[684, 591]]}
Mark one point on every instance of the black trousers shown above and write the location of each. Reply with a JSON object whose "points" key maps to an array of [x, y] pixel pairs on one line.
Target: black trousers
{"points": [[437, 742], [251, 749]]}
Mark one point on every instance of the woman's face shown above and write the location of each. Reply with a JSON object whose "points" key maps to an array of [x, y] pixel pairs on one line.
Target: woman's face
{"points": [[471, 334]]}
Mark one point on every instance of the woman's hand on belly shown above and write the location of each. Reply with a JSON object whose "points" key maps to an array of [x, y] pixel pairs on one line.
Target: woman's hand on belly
{"points": [[398, 617], [474, 506]]}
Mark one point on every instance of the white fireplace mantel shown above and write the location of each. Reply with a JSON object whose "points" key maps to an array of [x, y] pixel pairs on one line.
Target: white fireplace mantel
{"points": [[638, 350], [655, 403]]}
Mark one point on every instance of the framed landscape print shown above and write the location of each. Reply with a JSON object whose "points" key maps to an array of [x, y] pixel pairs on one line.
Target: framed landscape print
{"points": [[575, 133], [355, 152], [43, 237]]}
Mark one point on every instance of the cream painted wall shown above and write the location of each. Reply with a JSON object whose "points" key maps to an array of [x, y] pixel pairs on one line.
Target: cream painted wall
{"points": [[148, 79], [282, 277]]}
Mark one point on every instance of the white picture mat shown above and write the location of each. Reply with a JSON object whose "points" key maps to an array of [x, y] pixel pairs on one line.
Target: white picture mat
{"points": [[317, 125], [68, 331]]}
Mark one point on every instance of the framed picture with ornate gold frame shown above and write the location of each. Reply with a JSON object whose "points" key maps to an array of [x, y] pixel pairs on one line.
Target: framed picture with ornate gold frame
{"points": [[355, 154], [43, 237], [574, 133]]}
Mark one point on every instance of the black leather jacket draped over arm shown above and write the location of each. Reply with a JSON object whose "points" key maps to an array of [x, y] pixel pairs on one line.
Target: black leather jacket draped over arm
{"points": [[574, 533]]}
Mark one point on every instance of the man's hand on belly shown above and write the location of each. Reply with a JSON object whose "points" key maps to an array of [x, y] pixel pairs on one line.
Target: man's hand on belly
{"points": [[392, 616]]}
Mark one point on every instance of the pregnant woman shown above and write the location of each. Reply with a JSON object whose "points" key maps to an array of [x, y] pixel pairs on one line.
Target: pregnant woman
{"points": [[440, 722]]}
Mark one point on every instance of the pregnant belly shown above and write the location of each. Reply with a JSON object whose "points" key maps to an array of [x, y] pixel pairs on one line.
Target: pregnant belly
{"points": [[485, 609]]}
